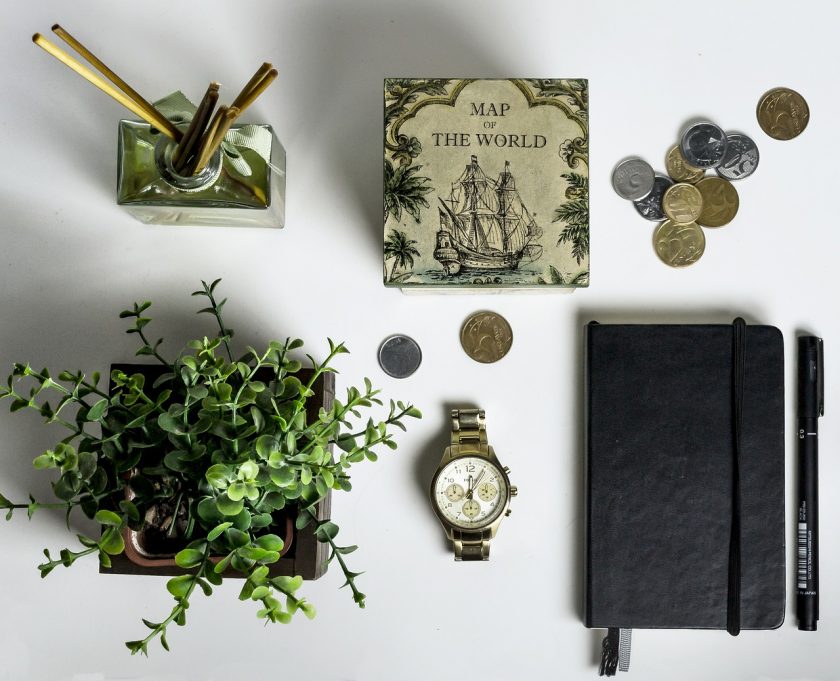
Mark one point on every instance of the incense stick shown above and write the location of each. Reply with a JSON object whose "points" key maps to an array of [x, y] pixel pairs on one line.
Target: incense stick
{"points": [[203, 154], [107, 88], [257, 90], [256, 78], [116, 80], [226, 121], [193, 134]]}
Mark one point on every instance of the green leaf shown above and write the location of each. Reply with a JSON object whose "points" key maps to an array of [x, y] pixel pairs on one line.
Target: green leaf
{"points": [[302, 520], [308, 609], [414, 412], [269, 542], [109, 518], [260, 592], [112, 542], [217, 531], [130, 510], [175, 461], [179, 586], [96, 412], [189, 558], [168, 423], [346, 442], [261, 520], [237, 491], [208, 511], [44, 461], [4, 502], [305, 475], [248, 471], [281, 476], [237, 538], [326, 531], [218, 475], [87, 465], [228, 506], [265, 445]]}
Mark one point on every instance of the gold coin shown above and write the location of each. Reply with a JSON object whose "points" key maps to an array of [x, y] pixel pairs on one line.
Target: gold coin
{"points": [[679, 169], [783, 113], [486, 337], [682, 203], [679, 245], [720, 202]]}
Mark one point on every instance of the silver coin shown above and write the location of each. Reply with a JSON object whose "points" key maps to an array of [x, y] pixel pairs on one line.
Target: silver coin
{"points": [[650, 207], [703, 145], [399, 356], [633, 179], [741, 157]]}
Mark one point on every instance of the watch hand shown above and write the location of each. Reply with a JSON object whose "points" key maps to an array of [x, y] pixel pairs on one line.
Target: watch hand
{"points": [[469, 487], [478, 479]]}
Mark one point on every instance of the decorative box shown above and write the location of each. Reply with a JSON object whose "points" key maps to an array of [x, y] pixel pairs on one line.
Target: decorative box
{"points": [[486, 183]]}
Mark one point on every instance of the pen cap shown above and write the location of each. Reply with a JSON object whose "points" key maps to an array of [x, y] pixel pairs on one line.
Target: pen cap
{"points": [[810, 372]]}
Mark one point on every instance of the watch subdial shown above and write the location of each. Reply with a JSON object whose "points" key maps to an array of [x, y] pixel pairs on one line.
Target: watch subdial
{"points": [[454, 492], [487, 491], [471, 508]]}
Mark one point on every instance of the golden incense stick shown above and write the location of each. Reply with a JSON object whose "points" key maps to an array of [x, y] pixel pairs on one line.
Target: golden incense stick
{"points": [[116, 80], [203, 154], [192, 136], [257, 90], [256, 78], [107, 88], [224, 125]]}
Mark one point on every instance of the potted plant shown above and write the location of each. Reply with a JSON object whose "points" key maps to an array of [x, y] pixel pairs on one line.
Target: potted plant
{"points": [[213, 454]]}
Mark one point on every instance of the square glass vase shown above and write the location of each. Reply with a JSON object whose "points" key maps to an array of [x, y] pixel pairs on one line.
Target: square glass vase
{"points": [[150, 189]]}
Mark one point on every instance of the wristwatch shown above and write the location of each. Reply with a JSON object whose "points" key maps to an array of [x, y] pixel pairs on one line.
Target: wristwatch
{"points": [[471, 490]]}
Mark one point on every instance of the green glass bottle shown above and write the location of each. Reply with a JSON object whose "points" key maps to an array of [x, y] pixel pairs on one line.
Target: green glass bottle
{"points": [[243, 184]]}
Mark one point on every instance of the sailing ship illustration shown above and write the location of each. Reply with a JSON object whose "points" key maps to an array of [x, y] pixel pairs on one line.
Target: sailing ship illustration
{"points": [[484, 225]]}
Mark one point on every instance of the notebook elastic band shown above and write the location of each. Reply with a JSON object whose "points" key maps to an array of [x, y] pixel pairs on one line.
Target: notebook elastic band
{"points": [[739, 358]]}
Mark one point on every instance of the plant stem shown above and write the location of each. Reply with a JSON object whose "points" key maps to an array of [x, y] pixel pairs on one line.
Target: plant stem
{"points": [[223, 334], [358, 596], [154, 349], [179, 608]]}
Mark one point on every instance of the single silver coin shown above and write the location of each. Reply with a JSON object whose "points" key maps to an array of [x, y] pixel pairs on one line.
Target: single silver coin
{"points": [[703, 145], [633, 179], [399, 356], [741, 157], [650, 207]]}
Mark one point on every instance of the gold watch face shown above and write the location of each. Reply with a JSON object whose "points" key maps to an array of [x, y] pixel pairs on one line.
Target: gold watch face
{"points": [[470, 492]]}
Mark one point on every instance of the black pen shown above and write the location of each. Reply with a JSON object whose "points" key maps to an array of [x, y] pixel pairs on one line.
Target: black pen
{"points": [[811, 394]]}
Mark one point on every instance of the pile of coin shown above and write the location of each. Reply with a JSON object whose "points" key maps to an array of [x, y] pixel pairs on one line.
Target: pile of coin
{"points": [[686, 199]]}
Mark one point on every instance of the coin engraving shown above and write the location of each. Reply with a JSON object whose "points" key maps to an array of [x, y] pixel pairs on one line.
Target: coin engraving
{"points": [[783, 113], [679, 169], [650, 207], [679, 245], [741, 157], [486, 337], [703, 145], [633, 179], [682, 203], [399, 356], [720, 202]]}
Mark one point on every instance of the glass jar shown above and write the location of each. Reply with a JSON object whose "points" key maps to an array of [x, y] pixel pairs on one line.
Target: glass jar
{"points": [[237, 187]]}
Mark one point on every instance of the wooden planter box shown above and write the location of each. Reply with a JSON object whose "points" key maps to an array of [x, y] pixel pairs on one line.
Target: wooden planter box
{"points": [[306, 556]]}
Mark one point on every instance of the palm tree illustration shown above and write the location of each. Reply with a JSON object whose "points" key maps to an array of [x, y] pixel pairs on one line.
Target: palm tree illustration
{"points": [[575, 213], [404, 191], [399, 247]]}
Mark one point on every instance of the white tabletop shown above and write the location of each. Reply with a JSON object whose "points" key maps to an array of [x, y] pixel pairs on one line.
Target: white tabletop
{"points": [[72, 259]]}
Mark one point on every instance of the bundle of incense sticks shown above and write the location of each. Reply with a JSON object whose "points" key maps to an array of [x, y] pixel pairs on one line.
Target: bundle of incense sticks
{"points": [[207, 129]]}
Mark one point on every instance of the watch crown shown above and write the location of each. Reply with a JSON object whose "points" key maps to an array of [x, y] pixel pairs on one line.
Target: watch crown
{"points": [[507, 470], [507, 513], [514, 491]]}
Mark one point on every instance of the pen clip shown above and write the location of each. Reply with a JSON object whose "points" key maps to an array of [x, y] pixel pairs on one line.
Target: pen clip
{"points": [[820, 378]]}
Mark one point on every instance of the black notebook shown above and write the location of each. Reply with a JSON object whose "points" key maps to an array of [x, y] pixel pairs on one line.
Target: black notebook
{"points": [[685, 523]]}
